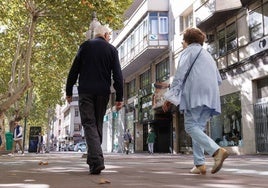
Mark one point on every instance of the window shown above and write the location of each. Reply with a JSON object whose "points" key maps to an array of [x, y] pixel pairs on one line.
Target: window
{"points": [[231, 37], [145, 97], [132, 45], [131, 88], [137, 38], [212, 49], [153, 23], [129, 44], [76, 98], [145, 28], [226, 129], [163, 25], [145, 83], [146, 112], [162, 71], [77, 127], [262, 88], [265, 18], [221, 41], [121, 54], [186, 21], [158, 28], [255, 24], [227, 40], [76, 112]]}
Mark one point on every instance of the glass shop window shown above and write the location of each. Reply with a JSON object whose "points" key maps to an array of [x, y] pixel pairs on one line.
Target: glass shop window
{"points": [[226, 129]]}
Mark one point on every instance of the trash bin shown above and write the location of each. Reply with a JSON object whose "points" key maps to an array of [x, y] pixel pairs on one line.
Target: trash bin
{"points": [[9, 141], [33, 138]]}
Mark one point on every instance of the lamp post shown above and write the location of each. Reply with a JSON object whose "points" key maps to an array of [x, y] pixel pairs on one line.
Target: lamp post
{"points": [[25, 124], [49, 113], [93, 24]]}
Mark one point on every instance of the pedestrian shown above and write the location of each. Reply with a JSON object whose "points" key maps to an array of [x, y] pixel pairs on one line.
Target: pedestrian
{"points": [[151, 140], [96, 64], [39, 143], [200, 98], [17, 137], [127, 140]]}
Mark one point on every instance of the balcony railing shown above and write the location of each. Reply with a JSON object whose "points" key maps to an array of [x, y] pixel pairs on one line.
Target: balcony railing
{"points": [[211, 11]]}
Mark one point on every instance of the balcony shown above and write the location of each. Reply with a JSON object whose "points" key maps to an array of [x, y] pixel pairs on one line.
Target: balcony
{"points": [[143, 57], [246, 2], [213, 12], [144, 37]]}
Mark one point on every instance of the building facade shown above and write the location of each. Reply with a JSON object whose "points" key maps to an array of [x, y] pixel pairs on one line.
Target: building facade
{"points": [[149, 47], [67, 129], [239, 45]]}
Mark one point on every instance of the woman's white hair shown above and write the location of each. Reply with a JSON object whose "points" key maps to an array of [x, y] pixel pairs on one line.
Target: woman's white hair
{"points": [[100, 30]]}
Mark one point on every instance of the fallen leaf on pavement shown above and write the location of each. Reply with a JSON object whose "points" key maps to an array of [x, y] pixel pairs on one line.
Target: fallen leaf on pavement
{"points": [[103, 181], [43, 163]]}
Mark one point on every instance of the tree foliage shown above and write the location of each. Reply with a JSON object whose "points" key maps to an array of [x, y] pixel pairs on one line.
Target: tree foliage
{"points": [[59, 27]]}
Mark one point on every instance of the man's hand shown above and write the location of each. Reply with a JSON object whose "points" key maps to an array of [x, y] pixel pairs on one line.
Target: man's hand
{"points": [[166, 106], [118, 105], [69, 99]]}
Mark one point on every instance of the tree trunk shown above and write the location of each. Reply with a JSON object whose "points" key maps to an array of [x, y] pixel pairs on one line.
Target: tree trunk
{"points": [[19, 90], [2, 132]]}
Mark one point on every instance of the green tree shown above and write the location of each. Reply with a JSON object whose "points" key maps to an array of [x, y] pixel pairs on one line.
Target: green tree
{"points": [[38, 41]]}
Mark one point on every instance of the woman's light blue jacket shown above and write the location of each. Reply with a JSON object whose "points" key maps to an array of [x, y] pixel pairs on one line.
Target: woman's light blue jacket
{"points": [[202, 85]]}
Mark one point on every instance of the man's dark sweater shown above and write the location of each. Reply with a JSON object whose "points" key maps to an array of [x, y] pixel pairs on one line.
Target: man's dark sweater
{"points": [[96, 63]]}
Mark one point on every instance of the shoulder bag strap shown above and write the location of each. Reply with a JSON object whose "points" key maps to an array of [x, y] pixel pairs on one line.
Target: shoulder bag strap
{"points": [[190, 68]]}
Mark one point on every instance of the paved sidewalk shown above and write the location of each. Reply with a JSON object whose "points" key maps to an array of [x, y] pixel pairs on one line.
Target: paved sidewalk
{"points": [[69, 170]]}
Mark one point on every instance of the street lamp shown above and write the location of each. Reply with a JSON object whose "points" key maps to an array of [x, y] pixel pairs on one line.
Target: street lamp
{"points": [[93, 24]]}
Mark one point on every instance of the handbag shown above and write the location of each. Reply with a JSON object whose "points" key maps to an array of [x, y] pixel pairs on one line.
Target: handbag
{"points": [[173, 95]]}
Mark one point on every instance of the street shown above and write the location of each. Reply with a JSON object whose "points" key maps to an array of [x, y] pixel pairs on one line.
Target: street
{"points": [[69, 170]]}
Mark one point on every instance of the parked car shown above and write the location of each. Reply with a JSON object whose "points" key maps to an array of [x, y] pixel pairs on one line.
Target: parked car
{"points": [[70, 147], [80, 147], [63, 148]]}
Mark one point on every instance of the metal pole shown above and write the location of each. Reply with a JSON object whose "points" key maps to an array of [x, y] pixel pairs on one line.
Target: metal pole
{"points": [[25, 124], [93, 24], [48, 130]]}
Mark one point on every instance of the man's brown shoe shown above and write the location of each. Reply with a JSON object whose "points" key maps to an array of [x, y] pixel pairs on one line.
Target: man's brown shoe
{"points": [[219, 156], [199, 170]]}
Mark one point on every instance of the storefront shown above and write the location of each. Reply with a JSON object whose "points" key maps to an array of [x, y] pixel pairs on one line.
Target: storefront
{"points": [[242, 125], [226, 129]]}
